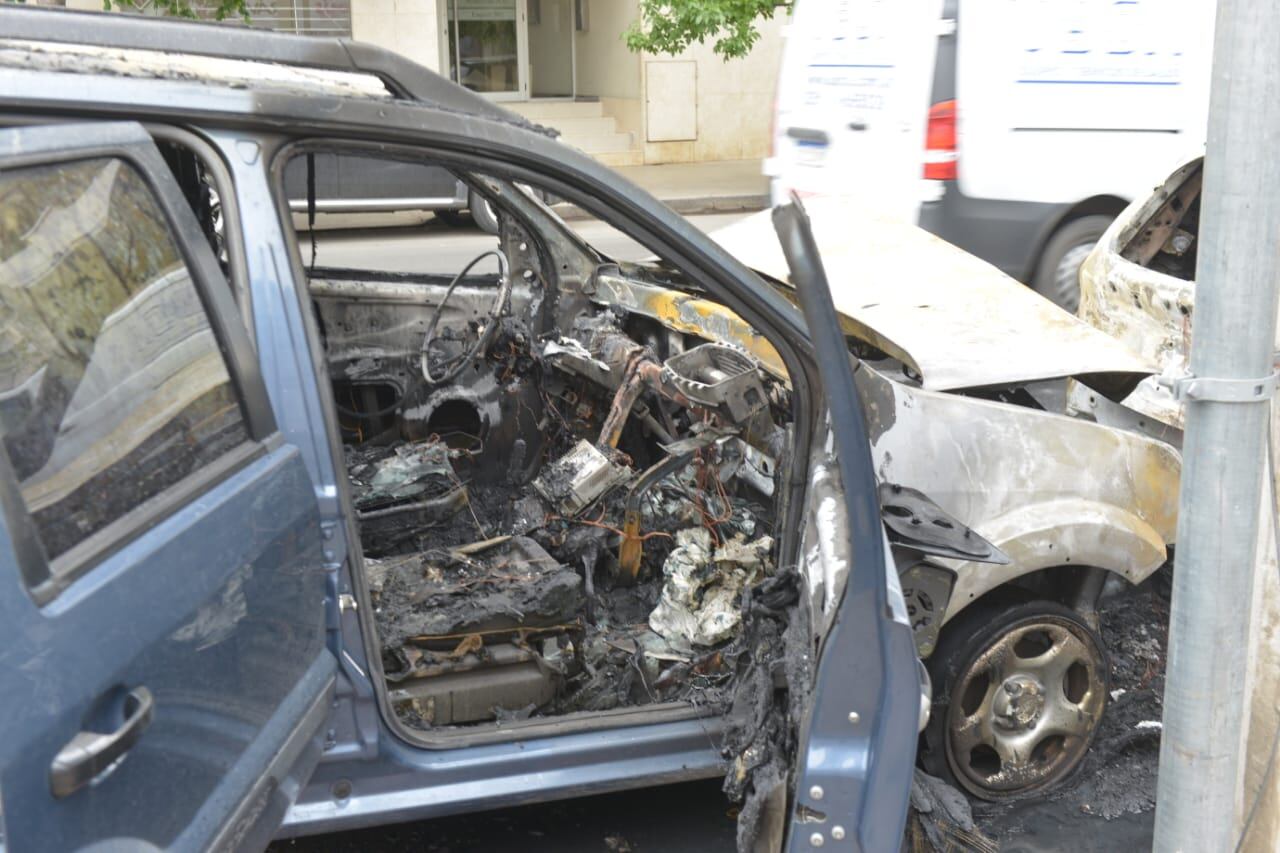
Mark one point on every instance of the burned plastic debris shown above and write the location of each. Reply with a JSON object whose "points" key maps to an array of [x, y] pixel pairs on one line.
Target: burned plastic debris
{"points": [[398, 491], [505, 584], [702, 588], [582, 536], [579, 477]]}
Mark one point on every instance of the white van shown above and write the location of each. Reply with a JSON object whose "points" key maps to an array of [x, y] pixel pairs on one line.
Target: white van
{"points": [[1015, 129]]}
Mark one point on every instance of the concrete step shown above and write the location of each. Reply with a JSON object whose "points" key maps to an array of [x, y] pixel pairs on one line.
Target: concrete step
{"points": [[634, 157], [600, 143], [585, 126], [538, 110], [579, 126]]}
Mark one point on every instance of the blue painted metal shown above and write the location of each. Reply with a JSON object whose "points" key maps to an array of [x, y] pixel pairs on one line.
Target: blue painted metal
{"points": [[410, 783], [858, 744], [217, 610]]}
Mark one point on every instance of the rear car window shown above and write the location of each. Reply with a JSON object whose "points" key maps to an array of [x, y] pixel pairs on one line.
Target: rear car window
{"points": [[112, 384]]}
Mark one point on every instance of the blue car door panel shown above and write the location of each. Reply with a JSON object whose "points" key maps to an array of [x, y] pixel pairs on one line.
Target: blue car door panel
{"points": [[165, 676]]}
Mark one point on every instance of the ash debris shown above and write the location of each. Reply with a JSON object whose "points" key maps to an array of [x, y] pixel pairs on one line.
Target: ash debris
{"points": [[567, 509], [585, 544], [1108, 803]]}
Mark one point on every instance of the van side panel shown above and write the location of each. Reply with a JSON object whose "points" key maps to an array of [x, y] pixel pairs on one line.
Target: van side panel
{"points": [[852, 102], [1061, 102]]}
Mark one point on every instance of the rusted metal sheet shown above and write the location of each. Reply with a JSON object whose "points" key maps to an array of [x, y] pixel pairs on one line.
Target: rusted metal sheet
{"points": [[1147, 311], [86, 59], [955, 320], [689, 314]]}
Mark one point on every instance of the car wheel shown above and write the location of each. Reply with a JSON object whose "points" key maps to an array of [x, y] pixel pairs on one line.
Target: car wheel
{"points": [[453, 218], [482, 213], [1019, 692], [1057, 276]]}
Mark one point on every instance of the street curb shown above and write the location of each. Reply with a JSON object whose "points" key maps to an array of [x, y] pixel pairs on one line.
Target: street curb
{"points": [[748, 203]]}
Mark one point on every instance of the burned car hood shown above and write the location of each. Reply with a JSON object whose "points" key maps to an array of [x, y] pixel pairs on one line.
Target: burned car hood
{"points": [[953, 319]]}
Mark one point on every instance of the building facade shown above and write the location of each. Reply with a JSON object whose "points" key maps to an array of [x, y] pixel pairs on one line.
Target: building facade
{"points": [[562, 63]]}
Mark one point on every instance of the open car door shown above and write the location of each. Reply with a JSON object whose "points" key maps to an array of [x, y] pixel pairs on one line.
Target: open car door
{"points": [[162, 659], [858, 735]]}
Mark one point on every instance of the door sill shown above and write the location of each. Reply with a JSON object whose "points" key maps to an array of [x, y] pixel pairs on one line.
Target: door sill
{"points": [[479, 734]]}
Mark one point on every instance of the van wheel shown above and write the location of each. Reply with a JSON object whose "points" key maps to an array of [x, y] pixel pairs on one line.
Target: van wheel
{"points": [[1019, 693], [482, 213], [1057, 276]]}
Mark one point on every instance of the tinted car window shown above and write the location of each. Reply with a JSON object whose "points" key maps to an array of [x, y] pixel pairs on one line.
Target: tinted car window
{"points": [[112, 384]]}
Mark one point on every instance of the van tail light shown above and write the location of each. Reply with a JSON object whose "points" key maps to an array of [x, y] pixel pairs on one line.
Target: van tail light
{"points": [[940, 159]]}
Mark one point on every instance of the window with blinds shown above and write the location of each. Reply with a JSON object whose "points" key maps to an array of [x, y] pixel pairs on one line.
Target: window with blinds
{"points": [[303, 17]]}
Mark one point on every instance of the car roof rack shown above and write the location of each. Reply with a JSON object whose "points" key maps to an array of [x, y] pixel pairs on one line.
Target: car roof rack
{"points": [[403, 78]]}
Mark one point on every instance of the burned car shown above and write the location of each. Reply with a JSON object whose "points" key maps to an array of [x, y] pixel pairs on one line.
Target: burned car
{"points": [[531, 525], [963, 373], [1139, 286]]}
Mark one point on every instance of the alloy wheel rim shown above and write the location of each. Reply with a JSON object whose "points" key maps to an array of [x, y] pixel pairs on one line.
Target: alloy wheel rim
{"points": [[1024, 711], [1066, 278]]}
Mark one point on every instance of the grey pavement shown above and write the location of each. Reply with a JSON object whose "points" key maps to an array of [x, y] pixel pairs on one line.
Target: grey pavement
{"points": [[693, 189], [435, 247], [721, 186]]}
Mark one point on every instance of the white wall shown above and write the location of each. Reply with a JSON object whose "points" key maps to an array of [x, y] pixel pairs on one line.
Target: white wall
{"points": [[734, 101], [408, 27], [606, 69]]}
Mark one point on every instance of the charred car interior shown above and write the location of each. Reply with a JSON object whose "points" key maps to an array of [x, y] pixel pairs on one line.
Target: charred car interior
{"points": [[566, 473], [560, 502]]}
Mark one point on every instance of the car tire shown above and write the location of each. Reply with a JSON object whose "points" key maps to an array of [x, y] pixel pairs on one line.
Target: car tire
{"points": [[1019, 693], [453, 218], [1057, 276], [482, 213]]}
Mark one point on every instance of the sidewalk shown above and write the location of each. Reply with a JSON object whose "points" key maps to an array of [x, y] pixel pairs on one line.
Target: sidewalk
{"points": [[716, 187], [723, 186]]}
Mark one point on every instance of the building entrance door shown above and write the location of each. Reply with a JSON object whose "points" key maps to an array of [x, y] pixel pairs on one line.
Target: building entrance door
{"points": [[488, 46], [551, 48]]}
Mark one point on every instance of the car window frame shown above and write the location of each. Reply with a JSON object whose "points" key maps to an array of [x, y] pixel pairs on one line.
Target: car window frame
{"points": [[56, 144], [480, 171], [237, 273]]}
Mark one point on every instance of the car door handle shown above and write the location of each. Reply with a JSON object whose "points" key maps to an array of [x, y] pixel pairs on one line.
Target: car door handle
{"points": [[90, 753]]}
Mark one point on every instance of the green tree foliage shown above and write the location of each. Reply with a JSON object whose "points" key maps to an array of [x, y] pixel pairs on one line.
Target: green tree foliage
{"points": [[670, 26], [222, 9]]}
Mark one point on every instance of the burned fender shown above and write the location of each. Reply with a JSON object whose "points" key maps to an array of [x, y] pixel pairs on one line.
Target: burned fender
{"points": [[1068, 532], [1047, 490]]}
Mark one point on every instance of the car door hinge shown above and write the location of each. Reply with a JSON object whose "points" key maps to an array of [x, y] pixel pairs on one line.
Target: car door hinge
{"points": [[1189, 387]]}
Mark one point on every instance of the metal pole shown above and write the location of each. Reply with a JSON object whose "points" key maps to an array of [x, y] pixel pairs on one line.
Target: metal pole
{"points": [[1198, 803]]}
